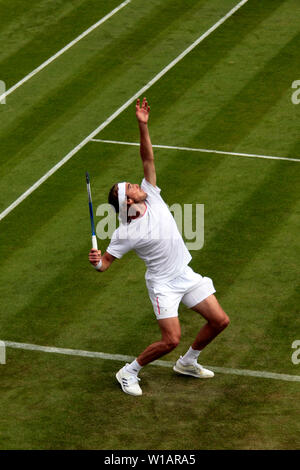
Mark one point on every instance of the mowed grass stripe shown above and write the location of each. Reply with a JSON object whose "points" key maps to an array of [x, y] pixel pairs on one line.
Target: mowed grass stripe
{"points": [[14, 10], [193, 88], [125, 105], [244, 111], [264, 299], [49, 27], [63, 50], [231, 253], [160, 363], [102, 61], [230, 412], [64, 94], [41, 129], [269, 135], [243, 198], [255, 221]]}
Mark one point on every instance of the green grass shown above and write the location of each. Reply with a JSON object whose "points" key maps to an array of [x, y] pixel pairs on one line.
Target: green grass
{"points": [[41, 412], [233, 92]]}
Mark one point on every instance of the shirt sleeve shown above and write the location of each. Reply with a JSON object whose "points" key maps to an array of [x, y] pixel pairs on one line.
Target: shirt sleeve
{"points": [[119, 245], [152, 191]]}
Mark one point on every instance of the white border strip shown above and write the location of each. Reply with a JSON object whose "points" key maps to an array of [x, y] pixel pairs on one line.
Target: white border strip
{"points": [[2, 353], [64, 49], [119, 357], [190, 149], [119, 111]]}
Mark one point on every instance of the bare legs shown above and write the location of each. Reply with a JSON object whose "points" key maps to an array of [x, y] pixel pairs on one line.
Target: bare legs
{"points": [[217, 321], [170, 337]]}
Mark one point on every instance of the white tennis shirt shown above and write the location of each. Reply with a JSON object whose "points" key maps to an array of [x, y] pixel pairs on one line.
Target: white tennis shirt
{"points": [[154, 237]]}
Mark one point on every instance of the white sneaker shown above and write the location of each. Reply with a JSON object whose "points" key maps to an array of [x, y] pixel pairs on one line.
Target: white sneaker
{"points": [[129, 382], [195, 369]]}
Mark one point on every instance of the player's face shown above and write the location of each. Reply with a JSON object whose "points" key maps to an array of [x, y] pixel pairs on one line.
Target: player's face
{"points": [[135, 192]]}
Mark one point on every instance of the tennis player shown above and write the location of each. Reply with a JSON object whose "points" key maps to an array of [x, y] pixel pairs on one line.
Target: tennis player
{"points": [[148, 227]]}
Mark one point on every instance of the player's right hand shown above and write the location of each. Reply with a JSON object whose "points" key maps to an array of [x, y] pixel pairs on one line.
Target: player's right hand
{"points": [[94, 256]]}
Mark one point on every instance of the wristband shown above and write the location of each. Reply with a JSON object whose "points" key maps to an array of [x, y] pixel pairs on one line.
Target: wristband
{"points": [[99, 265]]}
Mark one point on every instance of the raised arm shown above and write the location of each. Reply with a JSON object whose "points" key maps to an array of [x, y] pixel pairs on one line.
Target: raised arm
{"points": [[146, 151]]}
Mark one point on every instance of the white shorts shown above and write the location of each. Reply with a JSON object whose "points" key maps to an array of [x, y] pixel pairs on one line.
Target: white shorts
{"points": [[190, 288]]}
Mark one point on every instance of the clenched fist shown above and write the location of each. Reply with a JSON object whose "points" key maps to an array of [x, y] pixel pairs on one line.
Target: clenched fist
{"points": [[94, 256]]}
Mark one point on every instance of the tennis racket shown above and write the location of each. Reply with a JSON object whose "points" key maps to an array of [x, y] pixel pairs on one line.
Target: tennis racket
{"points": [[94, 238]]}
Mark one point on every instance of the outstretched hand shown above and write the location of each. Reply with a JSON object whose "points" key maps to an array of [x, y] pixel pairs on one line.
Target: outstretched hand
{"points": [[142, 112]]}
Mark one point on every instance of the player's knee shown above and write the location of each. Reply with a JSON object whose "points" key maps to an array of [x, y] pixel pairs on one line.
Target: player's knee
{"points": [[172, 342], [223, 322]]}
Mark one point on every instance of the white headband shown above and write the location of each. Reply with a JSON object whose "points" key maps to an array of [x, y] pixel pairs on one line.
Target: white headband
{"points": [[122, 202]]}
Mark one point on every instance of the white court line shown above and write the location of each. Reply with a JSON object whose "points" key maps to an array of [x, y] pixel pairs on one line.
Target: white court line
{"points": [[2, 353], [190, 149], [119, 111], [64, 49], [119, 357]]}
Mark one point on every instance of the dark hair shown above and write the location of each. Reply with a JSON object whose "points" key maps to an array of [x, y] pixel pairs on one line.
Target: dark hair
{"points": [[113, 197]]}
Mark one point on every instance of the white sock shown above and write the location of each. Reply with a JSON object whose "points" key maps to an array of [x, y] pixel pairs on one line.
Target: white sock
{"points": [[133, 368], [191, 356]]}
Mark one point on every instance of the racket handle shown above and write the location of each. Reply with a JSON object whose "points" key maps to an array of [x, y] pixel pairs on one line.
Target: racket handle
{"points": [[94, 242]]}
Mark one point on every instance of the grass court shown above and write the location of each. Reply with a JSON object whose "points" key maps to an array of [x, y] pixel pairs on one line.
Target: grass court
{"points": [[231, 93]]}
